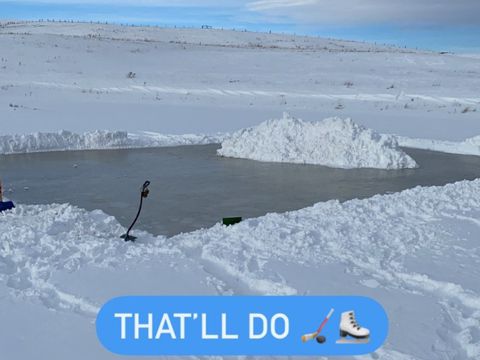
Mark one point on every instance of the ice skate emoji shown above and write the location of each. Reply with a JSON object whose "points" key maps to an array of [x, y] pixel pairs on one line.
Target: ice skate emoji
{"points": [[350, 327]]}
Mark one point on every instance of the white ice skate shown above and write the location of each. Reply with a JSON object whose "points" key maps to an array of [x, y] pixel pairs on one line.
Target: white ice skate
{"points": [[350, 327]]}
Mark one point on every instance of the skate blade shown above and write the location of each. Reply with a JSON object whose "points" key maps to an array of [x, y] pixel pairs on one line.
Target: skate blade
{"points": [[353, 341]]}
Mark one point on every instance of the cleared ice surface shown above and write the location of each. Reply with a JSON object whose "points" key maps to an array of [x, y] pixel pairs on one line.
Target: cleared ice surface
{"points": [[333, 142], [186, 179], [417, 252]]}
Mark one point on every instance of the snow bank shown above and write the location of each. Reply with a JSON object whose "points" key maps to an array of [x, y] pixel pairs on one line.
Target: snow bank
{"points": [[40, 239], [65, 140], [333, 142], [416, 252], [469, 146]]}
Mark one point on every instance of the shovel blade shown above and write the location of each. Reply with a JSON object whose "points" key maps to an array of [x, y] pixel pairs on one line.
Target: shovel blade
{"points": [[127, 237]]}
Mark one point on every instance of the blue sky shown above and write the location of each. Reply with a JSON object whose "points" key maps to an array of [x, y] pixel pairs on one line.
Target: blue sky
{"points": [[429, 24]]}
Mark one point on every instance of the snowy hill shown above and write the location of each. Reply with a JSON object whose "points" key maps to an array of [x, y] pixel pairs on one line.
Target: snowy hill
{"points": [[176, 81], [186, 36]]}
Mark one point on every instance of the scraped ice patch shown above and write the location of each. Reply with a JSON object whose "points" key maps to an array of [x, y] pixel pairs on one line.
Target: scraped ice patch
{"points": [[333, 142], [96, 140]]}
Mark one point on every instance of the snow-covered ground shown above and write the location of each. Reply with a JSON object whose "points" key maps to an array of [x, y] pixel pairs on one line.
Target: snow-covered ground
{"points": [[333, 142], [177, 81], [416, 252]]}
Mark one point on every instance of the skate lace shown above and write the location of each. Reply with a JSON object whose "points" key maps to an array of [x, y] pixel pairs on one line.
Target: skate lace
{"points": [[354, 322]]}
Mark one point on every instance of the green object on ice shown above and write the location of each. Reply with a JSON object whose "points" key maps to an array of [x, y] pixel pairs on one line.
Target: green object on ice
{"points": [[231, 220]]}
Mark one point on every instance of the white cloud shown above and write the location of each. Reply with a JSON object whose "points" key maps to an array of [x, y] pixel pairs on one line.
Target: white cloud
{"points": [[346, 12], [262, 5], [186, 3]]}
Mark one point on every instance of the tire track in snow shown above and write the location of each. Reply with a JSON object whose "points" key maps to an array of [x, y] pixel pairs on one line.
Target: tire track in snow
{"points": [[55, 299], [461, 307], [238, 278], [152, 89]]}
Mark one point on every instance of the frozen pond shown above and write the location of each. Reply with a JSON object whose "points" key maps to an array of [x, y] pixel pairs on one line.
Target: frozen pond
{"points": [[193, 188]]}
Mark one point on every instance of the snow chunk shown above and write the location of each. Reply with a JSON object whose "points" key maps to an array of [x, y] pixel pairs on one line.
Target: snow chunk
{"points": [[474, 142], [95, 140], [333, 142]]}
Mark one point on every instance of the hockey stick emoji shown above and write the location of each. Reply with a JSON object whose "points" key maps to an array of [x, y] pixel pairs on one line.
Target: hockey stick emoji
{"points": [[311, 336]]}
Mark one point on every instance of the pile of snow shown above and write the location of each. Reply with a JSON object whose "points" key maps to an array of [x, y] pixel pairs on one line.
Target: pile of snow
{"points": [[40, 239], [66, 140], [333, 142], [416, 252], [469, 146]]}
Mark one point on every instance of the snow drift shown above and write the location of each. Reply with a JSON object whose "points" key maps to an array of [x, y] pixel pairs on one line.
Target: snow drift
{"points": [[470, 146], [333, 142], [95, 140], [416, 252]]}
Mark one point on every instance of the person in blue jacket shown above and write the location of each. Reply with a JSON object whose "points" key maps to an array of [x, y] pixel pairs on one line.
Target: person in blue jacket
{"points": [[4, 205]]}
